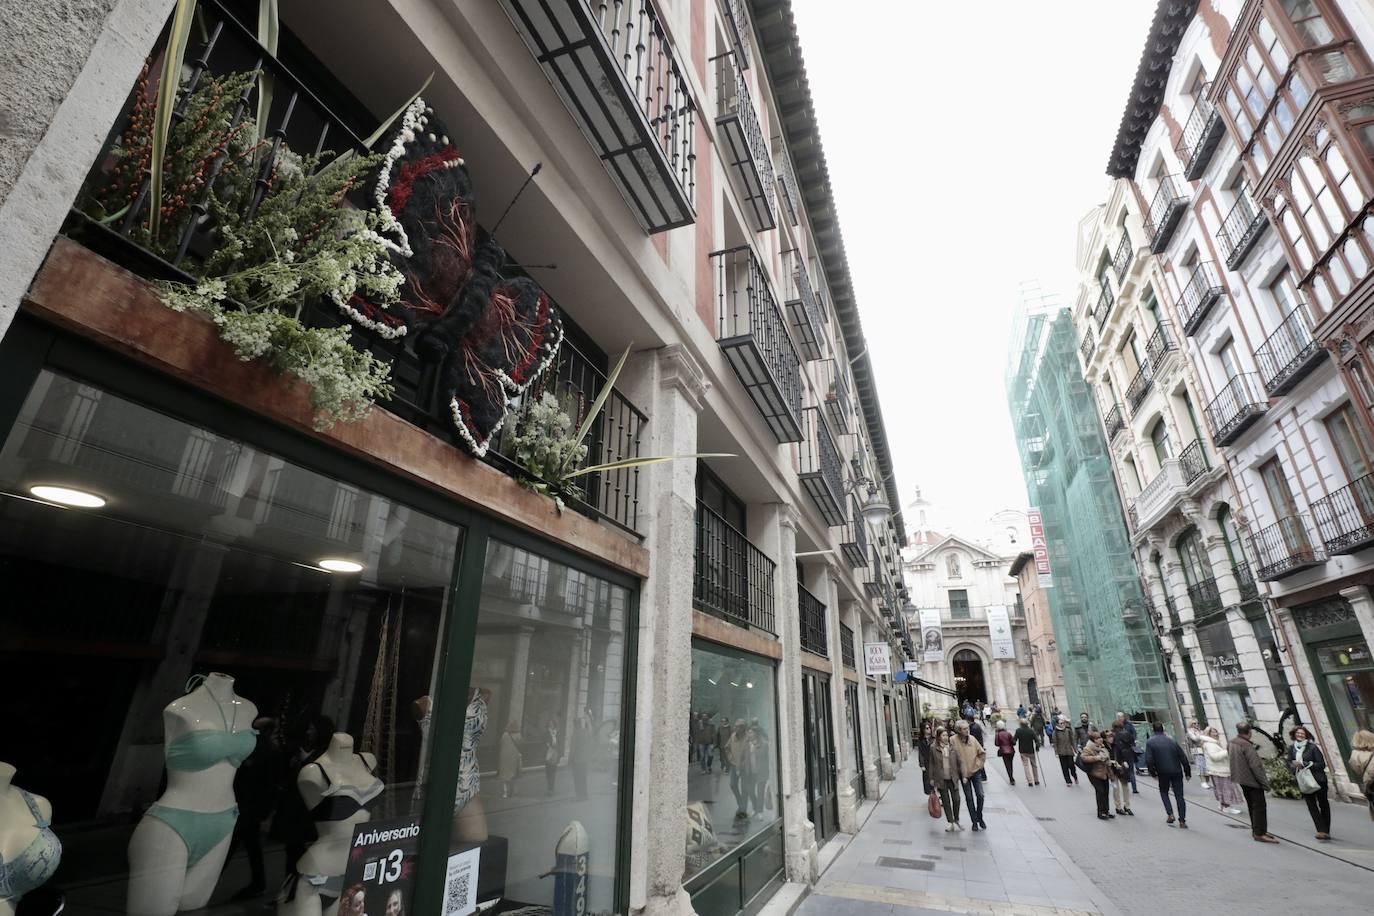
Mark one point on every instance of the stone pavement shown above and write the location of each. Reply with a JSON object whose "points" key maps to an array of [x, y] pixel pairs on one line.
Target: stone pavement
{"points": [[903, 862]]}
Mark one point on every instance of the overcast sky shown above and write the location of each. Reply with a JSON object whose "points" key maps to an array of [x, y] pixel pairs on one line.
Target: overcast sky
{"points": [[965, 140]]}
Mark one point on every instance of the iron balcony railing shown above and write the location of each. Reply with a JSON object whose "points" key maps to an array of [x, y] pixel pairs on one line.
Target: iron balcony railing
{"points": [[732, 578], [1172, 610], [300, 121], [744, 145], [1244, 224], [1201, 134], [1245, 581], [1288, 354], [1200, 293], [1192, 461], [1204, 596], [1166, 209], [787, 189], [752, 332], [1160, 345], [1086, 348], [854, 538], [1105, 300], [1121, 260], [1346, 517], [1139, 387], [1235, 408], [847, 647], [837, 403], [821, 470], [811, 616], [875, 578], [1114, 422], [618, 74], [738, 20], [803, 312], [1284, 548]]}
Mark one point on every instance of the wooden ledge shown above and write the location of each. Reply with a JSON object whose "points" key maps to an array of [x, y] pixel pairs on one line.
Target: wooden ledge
{"points": [[83, 292], [713, 629]]}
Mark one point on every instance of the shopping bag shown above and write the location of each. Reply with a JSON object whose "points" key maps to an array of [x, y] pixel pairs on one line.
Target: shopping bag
{"points": [[933, 805], [1307, 783]]}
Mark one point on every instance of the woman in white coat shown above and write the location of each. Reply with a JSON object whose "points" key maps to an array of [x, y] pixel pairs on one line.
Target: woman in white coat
{"points": [[1218, 757]]}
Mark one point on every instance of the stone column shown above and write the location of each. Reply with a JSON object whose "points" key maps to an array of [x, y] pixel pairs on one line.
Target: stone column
{"points": [[774, 525], [1178, 588], [867, 728], [1242, 633], [669, 386], [846, 767], [1363, 605], [886, 769]]}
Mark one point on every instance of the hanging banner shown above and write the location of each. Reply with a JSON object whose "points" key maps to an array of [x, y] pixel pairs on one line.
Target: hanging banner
{"points": [[932, 640], [1041, 547], [999, 631], [877, 658]]}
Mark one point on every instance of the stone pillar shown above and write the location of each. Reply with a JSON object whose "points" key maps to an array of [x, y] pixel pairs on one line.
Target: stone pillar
{"points": [[1363, 605], [867, 728], [775, 526], [846, 767], [886, 770], [1242, 633], [669, 385]]}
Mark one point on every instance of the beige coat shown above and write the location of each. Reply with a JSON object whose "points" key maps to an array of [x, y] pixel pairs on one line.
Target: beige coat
{"points": [[944, 764], [971, 755], [1096, 757], [1218, 756]]}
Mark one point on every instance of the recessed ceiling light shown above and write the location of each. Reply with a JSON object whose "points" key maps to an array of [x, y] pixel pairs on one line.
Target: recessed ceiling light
{"points": [[66, 496], [336, 565]]}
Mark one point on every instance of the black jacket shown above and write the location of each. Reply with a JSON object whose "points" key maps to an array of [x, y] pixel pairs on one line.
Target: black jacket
{"points": [[1025, 740], [1163, 757], [1080, 733], [1313, 755]]}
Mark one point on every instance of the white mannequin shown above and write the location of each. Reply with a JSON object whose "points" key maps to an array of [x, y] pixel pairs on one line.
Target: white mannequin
{"points": [[328, 855], [162, 881], [17, 827]]}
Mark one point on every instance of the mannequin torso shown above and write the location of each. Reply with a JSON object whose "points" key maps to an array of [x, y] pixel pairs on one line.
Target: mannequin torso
{"points": [[29, 850]]}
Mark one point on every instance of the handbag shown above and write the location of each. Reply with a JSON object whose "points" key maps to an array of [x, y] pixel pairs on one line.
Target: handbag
{"points": [[933, 805], [1307, 783]]}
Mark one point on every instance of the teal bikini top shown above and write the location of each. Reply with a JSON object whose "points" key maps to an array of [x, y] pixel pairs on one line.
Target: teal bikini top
{"points": [[203, 748]]}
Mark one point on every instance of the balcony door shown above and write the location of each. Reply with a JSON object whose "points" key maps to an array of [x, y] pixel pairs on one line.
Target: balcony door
{"points": [[1354, 453], [1159, 439], [1197, 571], [1285, 508]]}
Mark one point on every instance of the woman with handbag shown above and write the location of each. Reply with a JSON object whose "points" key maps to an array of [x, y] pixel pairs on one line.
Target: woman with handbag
{"points": [[1119, 765], [944, 771], [1006, 747], [1309, 765], [1362, 764], [1093, 759]]}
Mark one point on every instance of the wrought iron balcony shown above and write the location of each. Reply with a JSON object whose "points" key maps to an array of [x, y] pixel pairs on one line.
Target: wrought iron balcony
{"points": [[822, 472], [1244, 224], [1346, 517], [1235, 408], [1086, 348], [1105, 301], [1245, 581], [803, 312], [1201, 134], [1284, 548], [1200, 293], [1161, 493], [753, 334], [1204, 596], [1160, 345], [811, 616], [1288, 354], [854, 538], [743, 145], [1166, 209], [1114, 422], [837, 404], [732, 578], [1121, 260], [1192, 461], [1139, 387], [847, 657], [737, 19], [787, 190], [875, 579], [618, 74]]}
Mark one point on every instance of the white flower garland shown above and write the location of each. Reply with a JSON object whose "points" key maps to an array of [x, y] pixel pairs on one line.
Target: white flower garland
{"points": [[514, 388]]}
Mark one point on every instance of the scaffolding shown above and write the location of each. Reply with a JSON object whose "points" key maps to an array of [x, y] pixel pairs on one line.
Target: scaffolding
{"points": [[1101, 620]]}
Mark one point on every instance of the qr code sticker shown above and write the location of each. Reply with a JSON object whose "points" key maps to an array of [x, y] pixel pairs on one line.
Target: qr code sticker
{"points": [[459, 894], [370, 871]]}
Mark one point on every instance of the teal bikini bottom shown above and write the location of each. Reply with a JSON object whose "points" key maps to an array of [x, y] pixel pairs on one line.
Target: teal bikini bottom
{"points": [[201, 831]]}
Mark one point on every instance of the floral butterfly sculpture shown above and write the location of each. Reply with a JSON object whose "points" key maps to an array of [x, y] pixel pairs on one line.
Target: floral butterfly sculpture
{"points": [[491, 336]]}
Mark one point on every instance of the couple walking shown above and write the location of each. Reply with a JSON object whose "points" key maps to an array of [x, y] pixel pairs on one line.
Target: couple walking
{"points": [[956, 762], [1022, 741]]}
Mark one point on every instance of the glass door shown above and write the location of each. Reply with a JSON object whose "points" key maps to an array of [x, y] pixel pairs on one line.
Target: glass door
{"points": [[851, 714], [820, 756]]}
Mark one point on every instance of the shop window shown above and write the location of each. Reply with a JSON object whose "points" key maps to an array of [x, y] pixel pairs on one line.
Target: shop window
{"points": [[250, 646], [732, 768], [1347, 680], [958, 604]]}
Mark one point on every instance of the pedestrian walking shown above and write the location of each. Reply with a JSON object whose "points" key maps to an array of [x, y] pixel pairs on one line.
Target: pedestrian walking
{"points": [[1021, 711], [1125, 741], [1218, 757], [972, 757], [1095, 761], [924, 744], [1006, 748], [1362, 764], [1195, 733], [705, 739], [1247, 770], [1168, 764], [1082, 730], [1026, 746], [1305, 757], [1122, 762], [1061, 739], [944, 772], [976, 731], [1037, 725]]}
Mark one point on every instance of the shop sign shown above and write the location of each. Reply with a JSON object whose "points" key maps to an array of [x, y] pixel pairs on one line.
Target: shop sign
{"points": [[999, 630], [911, 667], [877, 658], [383, 858], [1219, 651], [1040, 547], [932, 640]]}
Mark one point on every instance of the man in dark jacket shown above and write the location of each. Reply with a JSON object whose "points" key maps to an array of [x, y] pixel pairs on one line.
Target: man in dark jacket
{"points": [[1064, 748], [1037, 724], [1080, 731], [1026, 747], [1125, 741], [1247, 771], [1166, 762]]}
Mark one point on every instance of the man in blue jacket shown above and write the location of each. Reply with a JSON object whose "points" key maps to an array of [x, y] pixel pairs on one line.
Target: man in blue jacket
{"points": [[1166, 762]]}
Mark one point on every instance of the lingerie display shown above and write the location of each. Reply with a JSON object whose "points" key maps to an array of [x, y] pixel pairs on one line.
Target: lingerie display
{"points": [[339, 802], [469, 771], [35, 865]]}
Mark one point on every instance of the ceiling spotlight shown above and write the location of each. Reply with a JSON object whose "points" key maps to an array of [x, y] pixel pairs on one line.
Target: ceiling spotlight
{"points": [[337, 565], [66, 496]]}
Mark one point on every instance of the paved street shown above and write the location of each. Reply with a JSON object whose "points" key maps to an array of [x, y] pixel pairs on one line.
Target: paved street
{"points": [[1045, 852]]}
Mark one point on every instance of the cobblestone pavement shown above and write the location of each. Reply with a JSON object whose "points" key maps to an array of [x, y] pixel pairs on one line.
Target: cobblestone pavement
{"points": [[1046, 853]]}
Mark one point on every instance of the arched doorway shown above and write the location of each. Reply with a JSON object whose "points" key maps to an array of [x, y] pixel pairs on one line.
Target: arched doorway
{"points": [[968, 677]]}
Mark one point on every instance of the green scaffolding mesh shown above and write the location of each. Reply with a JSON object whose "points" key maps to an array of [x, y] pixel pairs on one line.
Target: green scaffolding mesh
{"points": [[1101, 620]]}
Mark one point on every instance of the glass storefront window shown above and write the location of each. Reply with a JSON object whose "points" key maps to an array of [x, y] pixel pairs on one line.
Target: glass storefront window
{"points": [[249, 649], [1348, 671], [538, 784], [732, 754]]}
